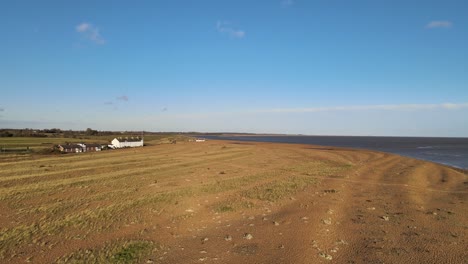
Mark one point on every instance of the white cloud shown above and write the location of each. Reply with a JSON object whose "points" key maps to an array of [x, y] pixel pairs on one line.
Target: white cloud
{"points": [[83, 27], [90, 32], [439, 24], [389, 107], [226, 28], [123, 98]]}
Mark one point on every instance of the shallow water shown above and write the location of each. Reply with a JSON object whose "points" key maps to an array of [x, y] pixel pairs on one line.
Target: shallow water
{"points": [[448, 151]]}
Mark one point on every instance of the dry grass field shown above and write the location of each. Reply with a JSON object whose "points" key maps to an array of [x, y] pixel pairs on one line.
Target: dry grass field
{"points": [[231, 202]]}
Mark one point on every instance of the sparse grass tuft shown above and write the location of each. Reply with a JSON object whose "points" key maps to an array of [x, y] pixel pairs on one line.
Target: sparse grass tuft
{"points": [[233, 204], [117, 252], [224, 208], [278, 189], [131, 252]]}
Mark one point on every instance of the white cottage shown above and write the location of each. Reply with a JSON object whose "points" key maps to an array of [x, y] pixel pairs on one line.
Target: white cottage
{"points": [[127, 142]]}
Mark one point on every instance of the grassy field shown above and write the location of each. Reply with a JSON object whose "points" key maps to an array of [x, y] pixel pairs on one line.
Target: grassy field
{"points": [[36, 144], [139, 205], [108, 200]]}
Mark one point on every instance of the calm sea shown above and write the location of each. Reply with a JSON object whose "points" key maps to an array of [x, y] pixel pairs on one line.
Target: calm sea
{"points": [[448, 151]]}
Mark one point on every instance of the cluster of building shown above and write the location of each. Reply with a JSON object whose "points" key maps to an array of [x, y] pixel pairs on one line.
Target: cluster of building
{"points": [[80, 147], [131, 142]]}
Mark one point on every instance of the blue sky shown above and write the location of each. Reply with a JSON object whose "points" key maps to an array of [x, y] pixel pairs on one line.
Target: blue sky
{"points": [[397, 68]]}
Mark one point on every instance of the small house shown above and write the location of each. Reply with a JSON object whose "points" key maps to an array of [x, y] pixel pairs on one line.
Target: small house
{"points": [[71, 148], [93, 147]]}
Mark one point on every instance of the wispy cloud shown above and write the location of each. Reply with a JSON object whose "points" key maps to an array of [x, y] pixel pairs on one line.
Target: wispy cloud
{"points": [[286, 3], [225, 27], [123, 98], [2, 109], [439, 24], [389, 107], [164, 109], [108, 103], [90, 32]]}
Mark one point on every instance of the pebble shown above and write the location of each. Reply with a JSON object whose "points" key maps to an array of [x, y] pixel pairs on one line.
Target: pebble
{"points": [[325, 256], [228, 238], [248, 236], [327, 221], [386, 218], [341, 242], [276, 223]]}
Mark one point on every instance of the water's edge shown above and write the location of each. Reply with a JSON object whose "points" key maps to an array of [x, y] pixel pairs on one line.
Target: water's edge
{"points": [[451, 152]]}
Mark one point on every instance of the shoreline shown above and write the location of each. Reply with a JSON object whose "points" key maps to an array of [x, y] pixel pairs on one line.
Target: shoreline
{"points": [[307, 135], [403, 151]]}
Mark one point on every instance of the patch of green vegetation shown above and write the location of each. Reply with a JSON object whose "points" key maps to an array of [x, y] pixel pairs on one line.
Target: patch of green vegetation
{"points": [[231, 205], [118, 252], [278, 189], [320, 168], [233, 183], [131, 252], [223, 208]]}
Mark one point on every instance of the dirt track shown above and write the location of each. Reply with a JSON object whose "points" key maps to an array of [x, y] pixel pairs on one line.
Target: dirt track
{"points": [[296, 203]]}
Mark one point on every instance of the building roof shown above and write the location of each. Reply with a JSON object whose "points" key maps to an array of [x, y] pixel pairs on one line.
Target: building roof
{"points": [[129, 139], [70, 146], [92, 145]]}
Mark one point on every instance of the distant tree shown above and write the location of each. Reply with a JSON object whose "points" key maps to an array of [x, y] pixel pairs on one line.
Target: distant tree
{"points": [[91, 132], [53, 130], [6, 134]]}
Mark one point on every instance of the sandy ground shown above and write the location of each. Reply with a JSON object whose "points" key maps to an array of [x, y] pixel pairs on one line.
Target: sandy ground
{"points": [[240, 203]]}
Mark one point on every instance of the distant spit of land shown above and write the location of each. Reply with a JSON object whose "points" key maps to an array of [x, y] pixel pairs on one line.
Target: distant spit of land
{"points": [[231, 202]]}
